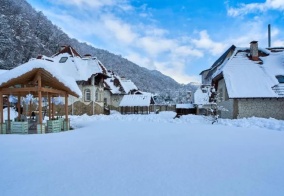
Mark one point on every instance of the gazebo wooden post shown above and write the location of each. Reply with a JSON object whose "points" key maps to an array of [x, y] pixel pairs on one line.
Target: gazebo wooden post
{"points": [[40, 102], [40, 109], [19, 107], [30, 108], [9, 123], [1, 113], [66, 111], [53, 111], [49, 107]]}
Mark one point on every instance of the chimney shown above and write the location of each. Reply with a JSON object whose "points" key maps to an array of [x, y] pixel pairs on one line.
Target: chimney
{"points": [[254, 50], [269, 36]]}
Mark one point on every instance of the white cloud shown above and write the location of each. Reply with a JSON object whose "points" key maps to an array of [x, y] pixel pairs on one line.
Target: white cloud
{"points": [[154, 31], [120, 30], [86, 3], [278, 42], [244, 9], [175, 70], [141, 61], [275, 4], [205, 42], [172, 65], [154, 46], [186, 51], [123, 4]]}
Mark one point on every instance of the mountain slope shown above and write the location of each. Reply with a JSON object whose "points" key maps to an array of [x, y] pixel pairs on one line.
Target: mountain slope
{"points": [[25, 33]]}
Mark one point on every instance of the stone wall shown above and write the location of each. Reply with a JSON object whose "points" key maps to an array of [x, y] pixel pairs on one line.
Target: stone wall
{"points": [[261, 108], [80, 108], [229, 106], [113, 100]]}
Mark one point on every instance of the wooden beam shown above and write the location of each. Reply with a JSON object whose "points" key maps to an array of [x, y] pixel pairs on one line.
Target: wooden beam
{"points": [[58, 92], [52, 105], [49, 107], [40, 110], [18, 90], [38, 73], [9, 124], [53, 91], [39, 101], [39, 80], [19, 107], [30, 108]]}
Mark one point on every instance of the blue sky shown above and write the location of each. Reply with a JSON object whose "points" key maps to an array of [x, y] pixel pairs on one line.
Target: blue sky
{"points": [[178, 38]]}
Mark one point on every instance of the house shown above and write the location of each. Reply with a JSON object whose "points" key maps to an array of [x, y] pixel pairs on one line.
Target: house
{"points": [[89, 74], [118, 87], [249, 81], [136, 104], [124, 96], [102, 89]]}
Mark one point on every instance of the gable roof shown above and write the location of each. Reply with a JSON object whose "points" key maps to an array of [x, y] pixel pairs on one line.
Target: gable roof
{"points": [[246, 78], [220, 61], [69, 50], [79, 68], [120, 85]]}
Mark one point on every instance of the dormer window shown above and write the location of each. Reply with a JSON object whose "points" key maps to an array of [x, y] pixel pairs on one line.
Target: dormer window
{"points": [[63, 59], [280, 78]]}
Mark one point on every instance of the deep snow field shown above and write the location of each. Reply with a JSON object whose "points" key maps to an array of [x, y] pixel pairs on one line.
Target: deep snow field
{"points": [[147, 155]]}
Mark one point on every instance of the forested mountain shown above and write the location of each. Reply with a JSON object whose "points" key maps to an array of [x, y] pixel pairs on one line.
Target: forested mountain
{"points": [[26, 33]]}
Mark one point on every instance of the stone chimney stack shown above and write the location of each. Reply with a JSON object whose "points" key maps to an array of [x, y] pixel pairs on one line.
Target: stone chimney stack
{"points": [[254, 50]]}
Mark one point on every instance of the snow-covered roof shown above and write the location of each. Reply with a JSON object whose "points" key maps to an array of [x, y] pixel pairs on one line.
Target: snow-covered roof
{"points": [[57, 72], [113, 89], [68, 49], [80, 69], [135, 100], [124, 86], [128, 85], [246, 78], [184, 106]]}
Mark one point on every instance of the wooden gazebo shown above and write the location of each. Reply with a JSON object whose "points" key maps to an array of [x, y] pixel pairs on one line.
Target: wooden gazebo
{"points": [[40, 83]]}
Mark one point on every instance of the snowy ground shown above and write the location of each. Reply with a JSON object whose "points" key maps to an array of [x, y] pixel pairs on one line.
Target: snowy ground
{"points": [[147, 155]]}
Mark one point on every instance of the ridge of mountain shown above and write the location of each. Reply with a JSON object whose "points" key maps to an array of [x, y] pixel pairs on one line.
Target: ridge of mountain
{"points": [[27, 33]]}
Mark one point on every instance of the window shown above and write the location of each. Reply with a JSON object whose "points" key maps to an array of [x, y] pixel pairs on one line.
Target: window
{"points": [[105, 101], [97, 95], [280, 78], [87, 95], [63, 59]]}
